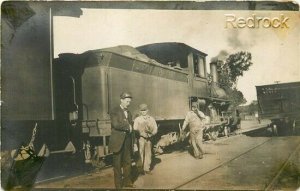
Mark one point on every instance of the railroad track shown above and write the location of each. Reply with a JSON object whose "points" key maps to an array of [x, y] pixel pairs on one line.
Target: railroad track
{"points": [[272, 183], [107, 166], [75, 174], [201, 180], [269, 186], [219, 166]]}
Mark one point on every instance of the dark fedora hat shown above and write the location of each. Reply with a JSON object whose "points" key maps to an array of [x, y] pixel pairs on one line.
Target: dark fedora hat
{"points": [[125, 95]]}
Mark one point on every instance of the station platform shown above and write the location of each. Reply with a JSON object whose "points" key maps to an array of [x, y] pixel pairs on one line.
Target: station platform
{"points": [[239, 162], [252, 125]]}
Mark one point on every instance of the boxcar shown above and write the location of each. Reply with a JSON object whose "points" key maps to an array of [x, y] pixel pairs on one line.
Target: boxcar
{"points": [[281, 104]]}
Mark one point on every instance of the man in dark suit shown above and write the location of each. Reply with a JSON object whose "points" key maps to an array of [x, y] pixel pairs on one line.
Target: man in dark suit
{"points": [[120, 142]]}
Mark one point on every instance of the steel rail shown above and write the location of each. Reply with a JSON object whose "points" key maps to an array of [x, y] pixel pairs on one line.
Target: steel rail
{"points": [[275, 179], [219, 166], [62, 177]]}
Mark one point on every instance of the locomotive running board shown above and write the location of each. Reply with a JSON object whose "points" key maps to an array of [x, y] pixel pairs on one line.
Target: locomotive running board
{"points": [[46, 152]]}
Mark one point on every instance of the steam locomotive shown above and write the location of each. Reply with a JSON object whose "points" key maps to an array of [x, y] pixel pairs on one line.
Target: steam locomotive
{"points": [[62, 105], [166, 76]]}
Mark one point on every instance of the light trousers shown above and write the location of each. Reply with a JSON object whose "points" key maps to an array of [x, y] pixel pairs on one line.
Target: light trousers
{"points": [[145, 152], [196, 136]]}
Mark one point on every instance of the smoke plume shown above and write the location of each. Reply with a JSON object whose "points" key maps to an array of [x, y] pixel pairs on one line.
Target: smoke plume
{"points": [[221, 56]]}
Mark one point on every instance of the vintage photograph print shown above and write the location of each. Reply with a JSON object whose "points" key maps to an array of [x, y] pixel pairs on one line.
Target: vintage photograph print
{"points": [[169, 95]]}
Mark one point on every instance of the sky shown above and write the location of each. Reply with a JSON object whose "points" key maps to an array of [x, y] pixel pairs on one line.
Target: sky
{"points": [[275, 51]]}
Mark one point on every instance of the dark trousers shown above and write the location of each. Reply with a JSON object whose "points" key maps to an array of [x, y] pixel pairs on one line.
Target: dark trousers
{"points": [[123, 159]]}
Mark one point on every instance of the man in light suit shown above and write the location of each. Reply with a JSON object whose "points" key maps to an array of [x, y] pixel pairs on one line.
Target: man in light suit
{"points": [[120, 142]]}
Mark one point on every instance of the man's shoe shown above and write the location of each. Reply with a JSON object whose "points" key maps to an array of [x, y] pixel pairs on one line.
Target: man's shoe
{"points": [[130, 185], [141, 171], [148, 172], [199, 157]]}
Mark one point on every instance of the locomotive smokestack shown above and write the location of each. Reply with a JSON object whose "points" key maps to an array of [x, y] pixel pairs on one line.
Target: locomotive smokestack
{"points": [[213, 71]]}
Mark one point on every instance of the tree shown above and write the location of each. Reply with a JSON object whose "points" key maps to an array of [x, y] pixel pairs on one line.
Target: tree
{"points": [[236, 97], [253, 107], [228, 73]]}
